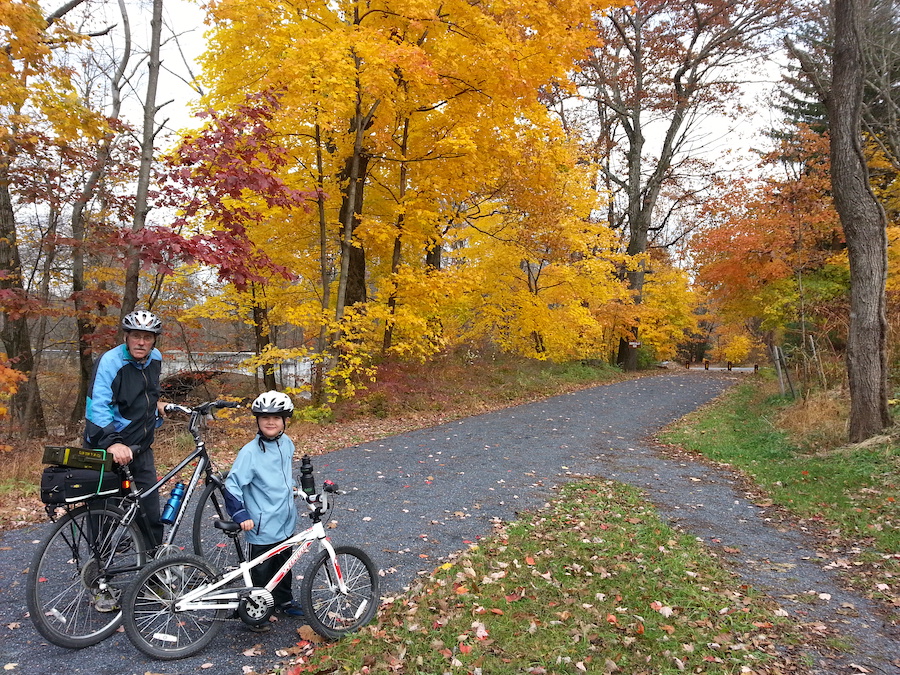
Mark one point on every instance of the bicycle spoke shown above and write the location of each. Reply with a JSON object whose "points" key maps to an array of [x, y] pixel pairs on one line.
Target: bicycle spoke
{"points": [[331, 612], [154, 625], [211, 543], [72, 601]]}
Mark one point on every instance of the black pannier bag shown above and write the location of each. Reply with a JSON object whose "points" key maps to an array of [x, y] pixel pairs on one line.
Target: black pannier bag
{"points": [[65, 485]]}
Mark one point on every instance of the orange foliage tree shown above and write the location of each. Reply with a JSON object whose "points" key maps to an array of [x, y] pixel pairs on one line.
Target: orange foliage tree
{"points": [[770, 258]]}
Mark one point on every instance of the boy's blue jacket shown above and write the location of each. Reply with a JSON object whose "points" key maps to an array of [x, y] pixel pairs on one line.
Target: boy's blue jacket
{"points": [[121, 401], [260, 486]]}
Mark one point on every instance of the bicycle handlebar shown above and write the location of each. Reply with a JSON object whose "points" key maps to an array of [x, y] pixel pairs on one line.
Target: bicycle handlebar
{"points": [[202, 409], [198, 413], [319, 502]]}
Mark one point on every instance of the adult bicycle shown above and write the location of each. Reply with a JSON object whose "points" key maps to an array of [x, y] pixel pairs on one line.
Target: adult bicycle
{"points": [[92, 552], [178, 604]]}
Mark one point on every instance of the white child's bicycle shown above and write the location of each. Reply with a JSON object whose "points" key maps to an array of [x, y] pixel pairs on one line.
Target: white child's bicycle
{"points": [[177, 605]]}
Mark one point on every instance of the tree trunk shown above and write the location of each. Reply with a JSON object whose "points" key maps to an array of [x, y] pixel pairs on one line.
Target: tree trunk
{"points": [[433, 256], [320, 367], [395, 256], [148, 136], [14, 330], [864, 223], [85, 314], [351, 256], [263, 334], [355, 171]]}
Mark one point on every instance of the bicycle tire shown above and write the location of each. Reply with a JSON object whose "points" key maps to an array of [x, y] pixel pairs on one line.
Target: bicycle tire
{"points": [[62, 591], [223, 551], [151, 622], [329, 612]]}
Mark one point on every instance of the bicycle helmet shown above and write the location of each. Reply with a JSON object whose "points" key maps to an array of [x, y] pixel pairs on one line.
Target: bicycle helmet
{"points": [[272, 403], [142, 320]]}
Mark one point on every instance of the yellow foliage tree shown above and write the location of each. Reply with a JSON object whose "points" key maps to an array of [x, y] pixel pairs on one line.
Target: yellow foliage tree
{"points": [[667, 314], [419, 123]]}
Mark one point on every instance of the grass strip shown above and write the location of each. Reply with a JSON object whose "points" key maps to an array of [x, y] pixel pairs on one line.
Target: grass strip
{"points": [[849, 494], [594, 582]]}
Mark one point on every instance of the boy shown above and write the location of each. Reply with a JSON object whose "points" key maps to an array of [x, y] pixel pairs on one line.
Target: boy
{"points": [[260, 494]]}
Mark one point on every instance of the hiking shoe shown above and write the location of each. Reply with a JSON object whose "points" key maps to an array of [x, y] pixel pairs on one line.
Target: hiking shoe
{"points": [[261, 628], [291, 608], [106, 602]]}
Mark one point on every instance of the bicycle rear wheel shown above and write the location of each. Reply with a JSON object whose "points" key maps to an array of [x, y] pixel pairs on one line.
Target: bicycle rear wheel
{"points": [[329, 612], [224, 551], [65, 599], [151, 621]]}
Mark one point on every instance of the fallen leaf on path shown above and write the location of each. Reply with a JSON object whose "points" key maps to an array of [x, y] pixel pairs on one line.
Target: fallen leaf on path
{"points": [[309, 634]]}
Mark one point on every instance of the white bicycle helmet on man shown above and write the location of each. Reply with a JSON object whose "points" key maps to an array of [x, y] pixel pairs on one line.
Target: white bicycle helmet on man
{"points": [[142, 320]]}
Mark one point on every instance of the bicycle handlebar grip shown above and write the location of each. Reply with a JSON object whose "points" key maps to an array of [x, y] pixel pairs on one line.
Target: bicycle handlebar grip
{"points": [[329, 486], [227, 404]]}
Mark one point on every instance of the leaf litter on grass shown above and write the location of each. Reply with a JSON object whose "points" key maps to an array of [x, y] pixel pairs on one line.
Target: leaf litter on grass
{"points": [[594, 582]]}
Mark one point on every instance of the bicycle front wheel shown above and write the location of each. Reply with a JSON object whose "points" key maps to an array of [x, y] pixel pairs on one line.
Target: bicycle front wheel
{"points": [[330, 612], [224, 551], [151, 621], [78, 574]]}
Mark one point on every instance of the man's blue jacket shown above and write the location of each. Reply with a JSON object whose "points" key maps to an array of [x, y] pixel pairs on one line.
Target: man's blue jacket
{"points": [[122, 398]]}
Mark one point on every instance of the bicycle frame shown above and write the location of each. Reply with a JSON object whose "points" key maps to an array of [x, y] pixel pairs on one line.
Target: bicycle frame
{"points": [[204, 465], [130, 503], [206, 597]]}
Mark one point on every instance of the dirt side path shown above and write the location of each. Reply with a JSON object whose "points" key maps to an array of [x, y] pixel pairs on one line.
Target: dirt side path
{"points": [[418, 496]]}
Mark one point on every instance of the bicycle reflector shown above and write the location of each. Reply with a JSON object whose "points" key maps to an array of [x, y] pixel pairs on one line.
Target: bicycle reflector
{"points": [[126, 484]]}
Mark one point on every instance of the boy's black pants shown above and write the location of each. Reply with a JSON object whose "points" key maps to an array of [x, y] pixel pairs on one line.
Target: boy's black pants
{"points": [[263, 573]]}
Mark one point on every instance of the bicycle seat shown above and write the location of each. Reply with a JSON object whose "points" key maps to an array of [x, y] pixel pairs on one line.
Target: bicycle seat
{"points": [[226, 526]]}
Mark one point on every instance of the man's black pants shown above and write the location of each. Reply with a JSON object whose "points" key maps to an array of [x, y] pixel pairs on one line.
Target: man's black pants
{"points": [[143, 469]]}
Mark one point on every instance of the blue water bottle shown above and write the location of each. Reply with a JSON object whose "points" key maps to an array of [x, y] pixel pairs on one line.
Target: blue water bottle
{"points": [[168, 514]]}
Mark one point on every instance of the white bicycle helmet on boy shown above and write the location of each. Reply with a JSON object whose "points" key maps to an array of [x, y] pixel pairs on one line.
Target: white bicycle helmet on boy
{"points": [[272, 403], [142, 320]]}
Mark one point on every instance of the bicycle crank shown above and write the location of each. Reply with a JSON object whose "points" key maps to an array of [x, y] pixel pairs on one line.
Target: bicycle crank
{"points": [[256, 606]]}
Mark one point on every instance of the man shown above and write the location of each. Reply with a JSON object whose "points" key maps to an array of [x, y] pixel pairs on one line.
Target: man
{"points": [[124, 410]]}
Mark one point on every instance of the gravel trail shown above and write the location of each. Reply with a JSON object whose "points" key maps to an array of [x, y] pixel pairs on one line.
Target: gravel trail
{"points": [[418, 496]]}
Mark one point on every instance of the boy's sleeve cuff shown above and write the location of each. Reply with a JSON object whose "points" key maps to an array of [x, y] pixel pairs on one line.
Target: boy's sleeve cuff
{"points": [[241, 516]]}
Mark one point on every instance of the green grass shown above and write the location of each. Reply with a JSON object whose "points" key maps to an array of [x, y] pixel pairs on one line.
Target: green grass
{"points": [[592, 583], [11, 486], [851, 492]]}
